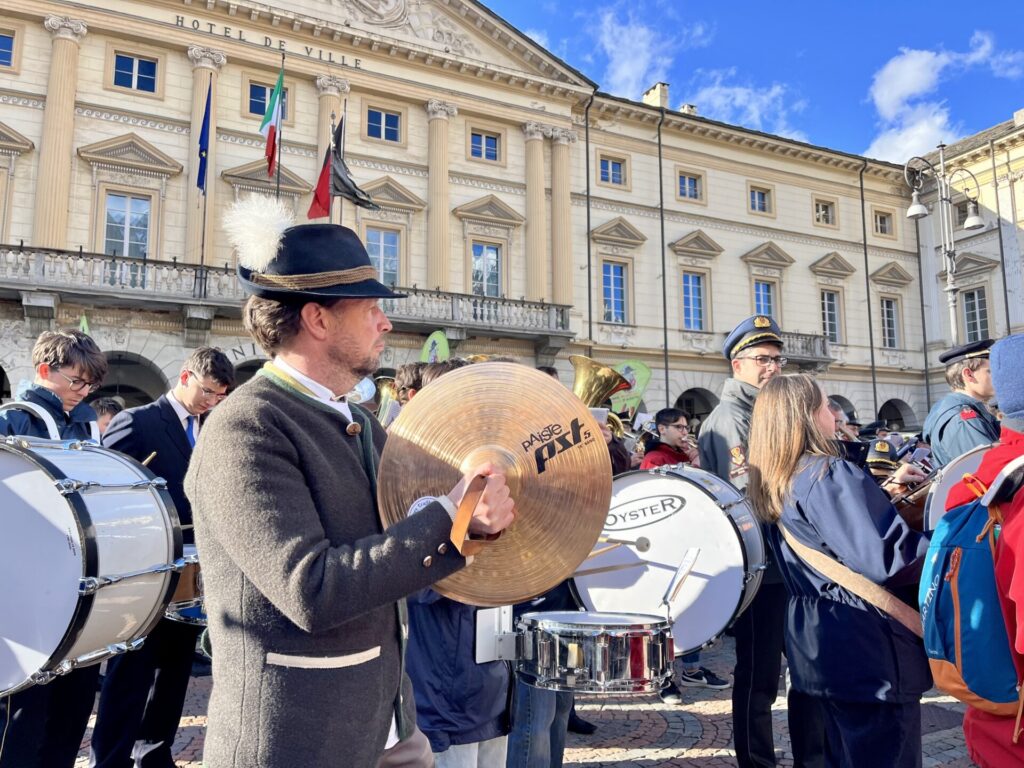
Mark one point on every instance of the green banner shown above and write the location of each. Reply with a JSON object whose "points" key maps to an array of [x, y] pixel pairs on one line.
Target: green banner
{"points": [[638, 375], [435, 348]]}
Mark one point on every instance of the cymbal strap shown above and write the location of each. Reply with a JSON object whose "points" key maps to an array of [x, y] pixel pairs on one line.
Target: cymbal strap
{"points": [[466, 544]]}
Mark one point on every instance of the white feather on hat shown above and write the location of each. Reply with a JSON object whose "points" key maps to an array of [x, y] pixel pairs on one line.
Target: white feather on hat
{"points": [[254, 226]]}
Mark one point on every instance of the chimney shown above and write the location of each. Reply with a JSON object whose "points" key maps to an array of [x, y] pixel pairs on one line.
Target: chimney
{"points": [[688, 109], [656, 95], [1018, 117]]}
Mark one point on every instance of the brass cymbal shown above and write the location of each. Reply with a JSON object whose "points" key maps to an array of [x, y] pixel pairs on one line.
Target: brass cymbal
{"points": [[553, 456]]}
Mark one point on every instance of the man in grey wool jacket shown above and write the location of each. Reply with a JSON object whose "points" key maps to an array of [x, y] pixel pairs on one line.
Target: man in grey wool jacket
{"points": [[304, 590]]}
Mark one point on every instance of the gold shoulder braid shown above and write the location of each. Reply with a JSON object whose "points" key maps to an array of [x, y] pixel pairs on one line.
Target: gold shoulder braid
{"points": [[315, 279]]}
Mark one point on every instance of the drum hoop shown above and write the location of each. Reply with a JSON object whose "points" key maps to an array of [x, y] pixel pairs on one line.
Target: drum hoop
{"points": [[654, 624], [87, 534], [177, 545]]}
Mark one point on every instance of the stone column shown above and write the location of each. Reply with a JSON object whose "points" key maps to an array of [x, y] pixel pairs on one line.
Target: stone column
{"points": [[536, 217], [329, 90], [438, 215], [206, 64], [53, 188], [561, 216]]}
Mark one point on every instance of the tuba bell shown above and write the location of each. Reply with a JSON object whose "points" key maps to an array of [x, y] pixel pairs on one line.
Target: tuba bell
{"points": [[387, 400], [594, 383]]}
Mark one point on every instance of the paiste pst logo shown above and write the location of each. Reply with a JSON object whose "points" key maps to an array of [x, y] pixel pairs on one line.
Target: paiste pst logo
{"points": [[554, 439]]}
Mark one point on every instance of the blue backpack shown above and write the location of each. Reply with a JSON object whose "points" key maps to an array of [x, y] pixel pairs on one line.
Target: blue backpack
{"points": [[965, 635]]}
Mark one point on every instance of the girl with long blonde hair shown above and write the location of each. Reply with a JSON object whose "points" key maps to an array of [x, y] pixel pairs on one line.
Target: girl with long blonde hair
{"points": [[866, 669]]}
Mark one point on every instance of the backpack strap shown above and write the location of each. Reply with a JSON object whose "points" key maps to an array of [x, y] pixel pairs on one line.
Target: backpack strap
{"points": [[36, 410], [859, 585]]}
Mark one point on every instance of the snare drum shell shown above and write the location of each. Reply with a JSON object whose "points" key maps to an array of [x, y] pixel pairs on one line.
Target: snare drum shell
{"points": [[594, 652], [946, 479]]}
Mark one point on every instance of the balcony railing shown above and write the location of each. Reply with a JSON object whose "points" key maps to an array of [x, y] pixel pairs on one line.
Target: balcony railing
{"points": [[806, 349], [97, 276]]}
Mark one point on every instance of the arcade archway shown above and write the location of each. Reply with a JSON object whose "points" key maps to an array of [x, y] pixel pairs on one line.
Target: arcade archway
{"points": [[132, 378], [897, 415], [698, 403], [245, 371], [5, 386], [846, 405]]}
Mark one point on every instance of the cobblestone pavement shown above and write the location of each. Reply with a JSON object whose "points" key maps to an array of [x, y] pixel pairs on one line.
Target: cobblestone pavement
{"points": [[643, 732]]}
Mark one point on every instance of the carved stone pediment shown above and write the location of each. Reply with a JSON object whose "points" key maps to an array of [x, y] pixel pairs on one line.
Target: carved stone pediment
{"points": [[253, 178], [832, 265], [892, 275], [12, 142], [130, 153], [768, 255], [489, 210], [619, 232], [388, 193], [697, 244], [971, 264]]}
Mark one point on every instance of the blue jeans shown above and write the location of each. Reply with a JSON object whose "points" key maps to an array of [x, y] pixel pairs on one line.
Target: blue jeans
{"points": [[690, 660], [540, 719]]}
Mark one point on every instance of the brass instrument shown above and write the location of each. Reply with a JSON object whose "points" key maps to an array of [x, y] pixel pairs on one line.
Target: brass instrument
{"points": [[387, 400], [910, 504], [594, 383]]}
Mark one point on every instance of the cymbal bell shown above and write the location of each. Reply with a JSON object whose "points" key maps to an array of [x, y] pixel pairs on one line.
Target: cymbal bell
{"points": [[553, 456]]}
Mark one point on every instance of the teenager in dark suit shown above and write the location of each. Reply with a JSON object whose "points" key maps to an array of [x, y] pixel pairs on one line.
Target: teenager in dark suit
{"points": [[144, 691]]}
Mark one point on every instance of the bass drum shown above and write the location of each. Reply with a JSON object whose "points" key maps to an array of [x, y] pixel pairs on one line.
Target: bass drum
{"points": [[944, 481], [89, 544], [678, 542]]}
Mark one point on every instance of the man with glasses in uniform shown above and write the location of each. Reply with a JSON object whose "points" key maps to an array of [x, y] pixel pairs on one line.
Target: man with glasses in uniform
{"points": [[754, 351], [42, 726], [144, 691]]}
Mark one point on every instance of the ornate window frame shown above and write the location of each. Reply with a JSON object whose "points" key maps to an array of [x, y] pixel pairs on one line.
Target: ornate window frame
{"points": [[398, 209], [268, 79], [701, 176], [12, 146], [489, 220], [17, 31], [618, 157], [138, 51], [382, 105], [829, 200], [769, 190], [487, 129]]}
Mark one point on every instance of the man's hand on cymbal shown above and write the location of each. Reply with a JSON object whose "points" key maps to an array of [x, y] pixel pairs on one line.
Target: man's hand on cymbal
{"points": [[495, 510]]}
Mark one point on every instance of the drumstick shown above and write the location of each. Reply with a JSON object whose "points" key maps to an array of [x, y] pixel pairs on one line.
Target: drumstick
{"points": [[607, 568], [689, 559], [642, 544], [602, 550], [149, 459]]}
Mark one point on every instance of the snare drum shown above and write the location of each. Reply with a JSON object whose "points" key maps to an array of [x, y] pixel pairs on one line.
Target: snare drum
{"points": [[609, 653], [944, 481], [89, 541], [187, 604], [678, 542]]}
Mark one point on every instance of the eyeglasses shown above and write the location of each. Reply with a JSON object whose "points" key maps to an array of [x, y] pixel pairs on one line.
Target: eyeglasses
{"points": [[765, 360], [76, 384], [208, 393], [680, 427]]}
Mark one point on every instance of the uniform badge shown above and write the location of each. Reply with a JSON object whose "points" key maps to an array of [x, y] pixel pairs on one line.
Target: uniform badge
{"points": [[967, 413], [738, 459], [762, 322], [882, 447]]}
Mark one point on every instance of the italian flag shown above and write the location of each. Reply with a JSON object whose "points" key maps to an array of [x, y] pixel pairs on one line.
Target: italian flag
{"points": [[271, 125]]}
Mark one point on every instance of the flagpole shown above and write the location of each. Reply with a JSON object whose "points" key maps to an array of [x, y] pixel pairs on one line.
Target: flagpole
{"points": [[330, 166], [341, 154], [202, 236], [280, 130]]}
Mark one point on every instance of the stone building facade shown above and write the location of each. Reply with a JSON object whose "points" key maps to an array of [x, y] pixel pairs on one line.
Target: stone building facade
{"points": [[527, 213]]}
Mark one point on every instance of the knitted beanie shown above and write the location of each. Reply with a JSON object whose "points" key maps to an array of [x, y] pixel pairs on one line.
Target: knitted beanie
{"points": [[1007, 361]]}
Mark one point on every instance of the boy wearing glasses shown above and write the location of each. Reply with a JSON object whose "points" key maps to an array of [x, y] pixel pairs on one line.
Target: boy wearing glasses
{"points": [[45, 723], [144, 691], [673, 445], [69, 367]]}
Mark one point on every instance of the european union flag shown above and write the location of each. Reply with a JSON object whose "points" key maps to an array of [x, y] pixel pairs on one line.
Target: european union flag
{"points": [[204, 141]]}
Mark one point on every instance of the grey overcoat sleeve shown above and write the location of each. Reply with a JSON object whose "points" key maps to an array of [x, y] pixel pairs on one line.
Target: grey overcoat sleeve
{"points": [[268, 524], [723, 449]]}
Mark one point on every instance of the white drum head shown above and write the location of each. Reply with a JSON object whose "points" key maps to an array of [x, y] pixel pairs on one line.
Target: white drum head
{"points": [[41, 562], [667, 515], [946, 479]]}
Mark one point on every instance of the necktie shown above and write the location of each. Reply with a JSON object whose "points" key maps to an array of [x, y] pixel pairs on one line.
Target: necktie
{"points": [[190, 426]]}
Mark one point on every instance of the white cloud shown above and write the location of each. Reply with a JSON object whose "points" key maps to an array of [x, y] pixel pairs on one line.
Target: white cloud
{"points": [[638, 55], [539, 36], [910, 122], [766, 108]]}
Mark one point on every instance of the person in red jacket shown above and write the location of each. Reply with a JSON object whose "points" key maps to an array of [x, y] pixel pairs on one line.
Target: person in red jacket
{"points": [[673, 445], [994, 741]]}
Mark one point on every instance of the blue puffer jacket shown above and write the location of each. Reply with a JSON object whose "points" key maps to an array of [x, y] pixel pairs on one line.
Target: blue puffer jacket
{"points": [[72, 426], [457, 700], [838, 646]]}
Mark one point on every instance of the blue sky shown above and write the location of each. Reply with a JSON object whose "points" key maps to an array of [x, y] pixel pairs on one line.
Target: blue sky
{"points": [[886, 79]]}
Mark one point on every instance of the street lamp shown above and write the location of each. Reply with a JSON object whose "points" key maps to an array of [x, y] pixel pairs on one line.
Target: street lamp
{"points": [[915, 178]]}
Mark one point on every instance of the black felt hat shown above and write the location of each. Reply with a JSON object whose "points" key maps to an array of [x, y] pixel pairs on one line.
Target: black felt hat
{"points": [[279, 261]]}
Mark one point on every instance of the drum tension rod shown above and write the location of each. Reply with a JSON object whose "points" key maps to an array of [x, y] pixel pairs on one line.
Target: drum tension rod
{"points": [[68, 486], [91, 584]]}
